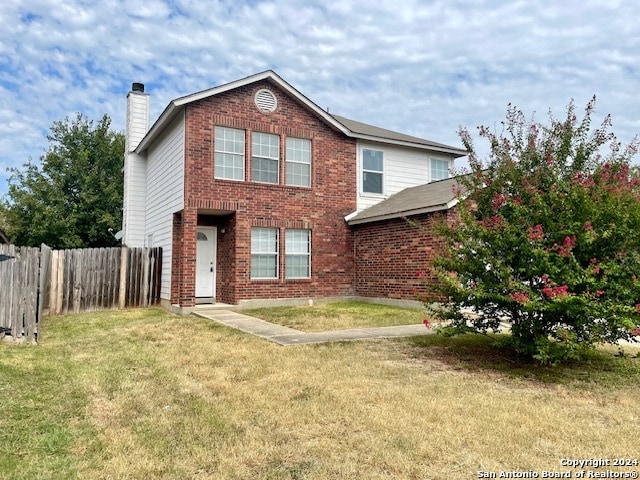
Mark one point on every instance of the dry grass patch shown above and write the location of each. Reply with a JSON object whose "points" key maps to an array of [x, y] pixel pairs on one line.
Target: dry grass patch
{"points": [[338, 316], [145, 394]]}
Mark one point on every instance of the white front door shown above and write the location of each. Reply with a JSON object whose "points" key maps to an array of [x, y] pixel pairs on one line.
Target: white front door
{"points": [[206, 262]]}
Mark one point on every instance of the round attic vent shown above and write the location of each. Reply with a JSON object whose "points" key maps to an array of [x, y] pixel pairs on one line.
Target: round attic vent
{"points": [[265, 100]]}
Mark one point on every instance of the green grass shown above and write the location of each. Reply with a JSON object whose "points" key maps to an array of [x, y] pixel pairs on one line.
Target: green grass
{"points": [[338, 316], [146, 394]]}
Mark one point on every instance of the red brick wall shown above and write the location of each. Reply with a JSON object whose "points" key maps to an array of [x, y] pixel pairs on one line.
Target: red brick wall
{"points": [[321, 208], [393, 257]]}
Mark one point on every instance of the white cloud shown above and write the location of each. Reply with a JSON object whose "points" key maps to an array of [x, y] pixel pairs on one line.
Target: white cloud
{"points": [[422, 68]]}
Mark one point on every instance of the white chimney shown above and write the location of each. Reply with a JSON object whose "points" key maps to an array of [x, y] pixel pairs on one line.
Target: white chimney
{"points": [[135, 168]]}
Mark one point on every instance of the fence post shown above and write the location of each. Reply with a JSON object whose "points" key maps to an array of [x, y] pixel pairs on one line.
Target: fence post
{"points": [[124, 255], [45, 267]]}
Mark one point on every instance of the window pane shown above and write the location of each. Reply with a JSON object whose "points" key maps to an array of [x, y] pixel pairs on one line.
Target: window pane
{"points": [[298, 174], [297, 266], [264, 240], [264, 170], [264, 266], [229, 166], [372, 160], [372, 182]]}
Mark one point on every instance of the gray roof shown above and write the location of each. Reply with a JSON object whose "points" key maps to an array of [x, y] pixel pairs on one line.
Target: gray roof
{"points": [[350, 128], [366, 130], [430, 197]]}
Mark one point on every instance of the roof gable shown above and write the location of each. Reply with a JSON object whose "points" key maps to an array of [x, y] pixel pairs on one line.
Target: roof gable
{"points": [[349, 128]]}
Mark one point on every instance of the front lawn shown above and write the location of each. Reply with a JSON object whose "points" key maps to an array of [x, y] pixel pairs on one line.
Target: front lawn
{"points": [[338, 316], [143, 394]]}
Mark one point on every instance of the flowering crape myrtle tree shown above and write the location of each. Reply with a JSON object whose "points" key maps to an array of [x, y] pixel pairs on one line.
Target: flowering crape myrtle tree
{"points": [[548, 237]]}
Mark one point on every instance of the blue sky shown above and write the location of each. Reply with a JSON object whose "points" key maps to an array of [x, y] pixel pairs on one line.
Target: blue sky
{"points": [[419, 67]]}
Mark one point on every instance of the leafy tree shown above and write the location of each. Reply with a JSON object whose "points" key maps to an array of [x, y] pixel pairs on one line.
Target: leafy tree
{"points": [[74, 194], [547, 237]]}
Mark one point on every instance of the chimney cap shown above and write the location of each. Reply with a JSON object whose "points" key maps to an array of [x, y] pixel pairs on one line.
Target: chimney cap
{"points": [[137, 87]]}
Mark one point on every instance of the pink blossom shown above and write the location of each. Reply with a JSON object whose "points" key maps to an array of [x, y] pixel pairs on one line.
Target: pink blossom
{"points": [[556, 292], [567, 245], [535, 233], [599, 293], [520, 297], [499, 200], [427, 323]]}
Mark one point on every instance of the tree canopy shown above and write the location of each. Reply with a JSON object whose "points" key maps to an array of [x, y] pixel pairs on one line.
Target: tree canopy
{"points": [[547, 237], [73, 195]]}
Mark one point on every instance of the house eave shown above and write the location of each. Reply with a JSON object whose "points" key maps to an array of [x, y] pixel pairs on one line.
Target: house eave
{"points": [[167, 116], [456, 153]]}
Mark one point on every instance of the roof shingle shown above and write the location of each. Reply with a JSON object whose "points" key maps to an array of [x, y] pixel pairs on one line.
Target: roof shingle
{"points": [[430, 197]]}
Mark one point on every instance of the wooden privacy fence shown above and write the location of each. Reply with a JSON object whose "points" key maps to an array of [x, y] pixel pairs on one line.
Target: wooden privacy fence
{"points": [[36, 281]]}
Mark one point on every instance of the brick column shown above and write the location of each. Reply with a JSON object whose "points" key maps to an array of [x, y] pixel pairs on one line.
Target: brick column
{"points": [[188, 257]]}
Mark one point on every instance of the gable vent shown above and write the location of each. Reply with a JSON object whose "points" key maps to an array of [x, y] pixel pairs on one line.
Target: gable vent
{"points": [[266, 101]]}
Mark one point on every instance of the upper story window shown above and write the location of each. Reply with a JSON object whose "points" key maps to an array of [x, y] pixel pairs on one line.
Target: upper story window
{"points": [[265, 157], [229, 153], [372, 171], [439, 169], [298, 162]]}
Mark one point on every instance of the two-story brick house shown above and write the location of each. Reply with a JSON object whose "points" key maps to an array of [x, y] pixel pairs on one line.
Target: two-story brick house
{"points": [[255, 192]]}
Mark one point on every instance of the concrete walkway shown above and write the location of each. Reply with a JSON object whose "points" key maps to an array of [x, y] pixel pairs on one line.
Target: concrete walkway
{"points": [[290, 336]]}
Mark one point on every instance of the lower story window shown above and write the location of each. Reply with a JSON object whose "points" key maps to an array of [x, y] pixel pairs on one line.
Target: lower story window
{"points": [[264, 253], [298, 253]]}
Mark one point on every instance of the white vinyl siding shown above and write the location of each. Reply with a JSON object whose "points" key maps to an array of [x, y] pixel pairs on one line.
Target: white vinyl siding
{"points": [[298, 162], [229, 153], [135, 195], [265, 157], [439, 169], [264, 253], [165, 193], [404, 167], [297, 253], [135, 170]]}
